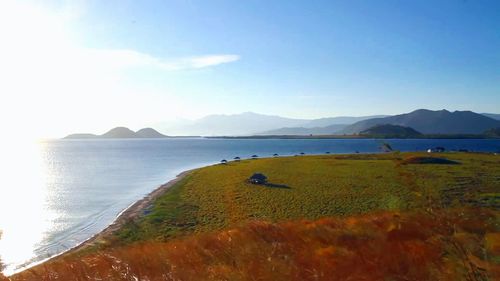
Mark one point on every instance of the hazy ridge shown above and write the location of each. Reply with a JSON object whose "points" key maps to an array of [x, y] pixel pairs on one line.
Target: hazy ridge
{"points": [[432, 122], [249, 123]]}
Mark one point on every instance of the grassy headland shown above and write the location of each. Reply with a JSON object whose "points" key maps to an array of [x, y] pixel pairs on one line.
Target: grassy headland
{"points": [[312, 187], [396, 216]]}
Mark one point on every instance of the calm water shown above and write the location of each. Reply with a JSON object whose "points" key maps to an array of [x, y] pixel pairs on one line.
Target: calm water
{"points": [[60, 193]]}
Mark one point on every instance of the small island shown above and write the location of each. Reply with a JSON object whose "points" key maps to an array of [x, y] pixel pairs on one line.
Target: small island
{"points": [[121, 133]]}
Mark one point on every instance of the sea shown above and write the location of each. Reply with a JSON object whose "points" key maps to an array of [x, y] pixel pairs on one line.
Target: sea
{"points": [[55, 194]]}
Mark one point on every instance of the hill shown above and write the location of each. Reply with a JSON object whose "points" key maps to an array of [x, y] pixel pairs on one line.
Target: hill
{"points": [[432, 122], [149, 133], [120, 133], [391, 131]]}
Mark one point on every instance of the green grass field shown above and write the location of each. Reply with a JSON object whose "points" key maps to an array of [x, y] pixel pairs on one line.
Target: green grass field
{"points": [[311, 187]]}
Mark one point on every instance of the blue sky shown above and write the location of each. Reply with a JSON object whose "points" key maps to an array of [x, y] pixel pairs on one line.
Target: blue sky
{"points": [[304, 59]]}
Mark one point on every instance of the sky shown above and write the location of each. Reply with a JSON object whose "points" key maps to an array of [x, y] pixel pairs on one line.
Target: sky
{"points": [[87, 66]]}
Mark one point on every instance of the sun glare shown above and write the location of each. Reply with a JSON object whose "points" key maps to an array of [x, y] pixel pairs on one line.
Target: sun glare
{"points": [[34, 55], [53, 84], [24, 217], [49, 82]]}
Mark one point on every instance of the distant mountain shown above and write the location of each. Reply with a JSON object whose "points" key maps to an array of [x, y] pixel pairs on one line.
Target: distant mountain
{"points": [[492, 115], [322, 126], [341, 120], [149, 133], [296, 131], [120, 133], [247, 123], [432, 122], [391, 131], [250, 123]]}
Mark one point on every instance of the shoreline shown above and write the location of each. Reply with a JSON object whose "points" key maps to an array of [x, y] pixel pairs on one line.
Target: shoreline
{"points": [[133, 211]]}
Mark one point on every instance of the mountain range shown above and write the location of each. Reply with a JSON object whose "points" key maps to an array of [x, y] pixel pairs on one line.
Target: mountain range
{"points": [[432, 122], [249, 123], [246, 123]]}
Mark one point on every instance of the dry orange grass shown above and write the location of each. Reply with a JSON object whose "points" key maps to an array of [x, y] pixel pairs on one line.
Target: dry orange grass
{"points": [[449, 245]]}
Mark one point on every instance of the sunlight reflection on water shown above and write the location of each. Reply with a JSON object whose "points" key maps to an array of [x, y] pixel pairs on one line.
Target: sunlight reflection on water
{"points": [[24, 217]]}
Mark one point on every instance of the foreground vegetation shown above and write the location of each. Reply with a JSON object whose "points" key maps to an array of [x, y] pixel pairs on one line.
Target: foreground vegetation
{"points": [[332, 217], [451, 245]]}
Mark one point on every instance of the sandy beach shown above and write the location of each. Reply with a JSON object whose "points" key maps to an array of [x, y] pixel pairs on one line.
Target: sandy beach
{"points": [[133, 211]]}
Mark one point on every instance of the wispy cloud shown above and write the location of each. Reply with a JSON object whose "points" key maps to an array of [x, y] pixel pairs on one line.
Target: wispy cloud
{"points": [[131, 58], [48, 73], [200, 61]]}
